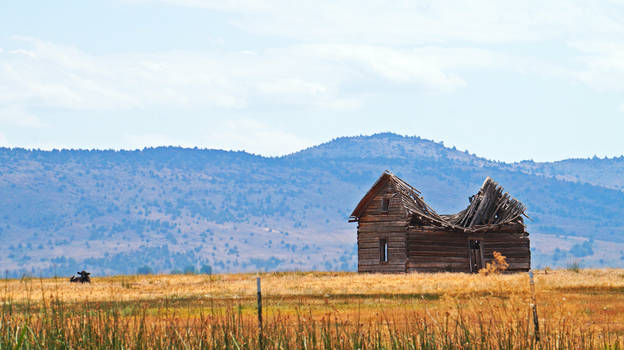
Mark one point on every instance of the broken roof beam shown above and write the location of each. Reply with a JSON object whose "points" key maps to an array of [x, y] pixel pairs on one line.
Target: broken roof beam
{"points": [[490, 206]]}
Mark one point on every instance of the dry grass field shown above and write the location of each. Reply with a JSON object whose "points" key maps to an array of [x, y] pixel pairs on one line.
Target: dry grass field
{"points": [[317, 310]]}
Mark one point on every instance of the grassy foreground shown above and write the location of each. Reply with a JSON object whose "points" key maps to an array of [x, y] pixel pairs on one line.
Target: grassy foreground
{"points": [[314, 310]]}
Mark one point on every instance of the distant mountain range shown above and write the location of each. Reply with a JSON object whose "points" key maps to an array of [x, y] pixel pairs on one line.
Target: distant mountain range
{"points": [[174, 209]]}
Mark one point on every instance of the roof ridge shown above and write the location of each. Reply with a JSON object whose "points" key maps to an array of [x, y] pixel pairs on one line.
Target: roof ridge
{"points": [[490, 206]]}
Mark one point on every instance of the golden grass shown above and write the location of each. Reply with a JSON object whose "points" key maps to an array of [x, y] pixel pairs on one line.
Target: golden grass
{"points": [[582, 310], [128, 288]]}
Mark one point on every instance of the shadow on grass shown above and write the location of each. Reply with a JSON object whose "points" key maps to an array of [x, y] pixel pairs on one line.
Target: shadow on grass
{"points": [[592, 290]]}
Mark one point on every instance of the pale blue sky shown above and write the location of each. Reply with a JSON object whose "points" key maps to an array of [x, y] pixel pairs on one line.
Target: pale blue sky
{"points": [[506, 80]]}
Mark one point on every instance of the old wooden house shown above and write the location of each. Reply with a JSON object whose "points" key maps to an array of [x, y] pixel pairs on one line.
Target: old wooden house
{"points": [[398, 232]]}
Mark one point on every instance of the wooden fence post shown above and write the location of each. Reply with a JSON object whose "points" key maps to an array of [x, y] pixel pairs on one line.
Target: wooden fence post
{"points": [[534, 306], [259, 312]]}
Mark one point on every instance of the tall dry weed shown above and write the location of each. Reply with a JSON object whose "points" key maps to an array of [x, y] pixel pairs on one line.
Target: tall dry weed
{"points": [[497, 266], [316, 311]]}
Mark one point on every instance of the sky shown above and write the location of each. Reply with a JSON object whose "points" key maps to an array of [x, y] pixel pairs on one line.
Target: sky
{"points": [[507, 80]]}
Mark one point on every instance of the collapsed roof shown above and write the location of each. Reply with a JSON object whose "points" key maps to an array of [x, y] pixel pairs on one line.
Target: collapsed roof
{"points": [[488, 208]]}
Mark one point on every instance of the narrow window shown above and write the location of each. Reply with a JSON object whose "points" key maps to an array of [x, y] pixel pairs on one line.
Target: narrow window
{"points": [[385, 204], [476, 256], [383, 250]]}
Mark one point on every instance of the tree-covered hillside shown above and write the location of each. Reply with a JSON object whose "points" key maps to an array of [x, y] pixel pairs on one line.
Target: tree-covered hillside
{"points": [[172, 208]]}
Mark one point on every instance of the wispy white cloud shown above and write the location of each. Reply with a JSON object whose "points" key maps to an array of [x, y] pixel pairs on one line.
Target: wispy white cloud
{"points": [[417, 22], [601, 64], [15, 116], [429, 43], [435, 68], [44, 74], [426, 44], [50, 75]]}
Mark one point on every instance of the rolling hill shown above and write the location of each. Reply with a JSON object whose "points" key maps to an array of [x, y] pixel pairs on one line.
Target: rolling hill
{"points": [[171, 208]]}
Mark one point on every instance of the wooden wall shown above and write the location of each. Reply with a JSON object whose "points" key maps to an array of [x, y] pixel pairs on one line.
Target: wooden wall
{"points": [[433, 249], [515, 247], [375, 225]]}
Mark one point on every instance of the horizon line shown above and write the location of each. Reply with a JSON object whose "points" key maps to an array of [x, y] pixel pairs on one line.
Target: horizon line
{"points": [[377, 134]]}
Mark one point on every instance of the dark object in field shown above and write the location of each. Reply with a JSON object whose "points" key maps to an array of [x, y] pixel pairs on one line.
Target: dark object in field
{"points": [[83, 278], [399, 232]]}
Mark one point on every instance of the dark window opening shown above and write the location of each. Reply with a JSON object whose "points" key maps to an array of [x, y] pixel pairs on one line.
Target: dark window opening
{"points": [[383, 250], [476, 256], [385, 205], [416, 221], [475, 245]]}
